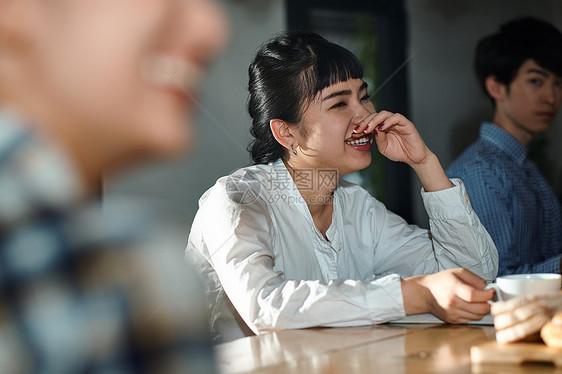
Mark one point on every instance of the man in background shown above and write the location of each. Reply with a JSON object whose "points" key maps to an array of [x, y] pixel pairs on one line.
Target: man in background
{"points": [[88, 87], [520, 69]]}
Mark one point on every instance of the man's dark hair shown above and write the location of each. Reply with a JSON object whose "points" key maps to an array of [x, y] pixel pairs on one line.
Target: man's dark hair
{"points": [[502, 53]]}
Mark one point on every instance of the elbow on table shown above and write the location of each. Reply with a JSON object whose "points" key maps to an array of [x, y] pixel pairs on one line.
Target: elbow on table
{"points": [[265, 320], [268, 319]]}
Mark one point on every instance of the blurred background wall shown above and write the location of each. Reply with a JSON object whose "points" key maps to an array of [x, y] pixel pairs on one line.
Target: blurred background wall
{"points": [[444, 100]]}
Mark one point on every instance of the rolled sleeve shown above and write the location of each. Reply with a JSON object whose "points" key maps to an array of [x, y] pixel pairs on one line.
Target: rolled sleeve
{"points": [[460, 239], [387, 292], [450, 203]]}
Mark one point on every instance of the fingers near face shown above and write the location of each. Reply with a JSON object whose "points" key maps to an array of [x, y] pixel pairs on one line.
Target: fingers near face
{"points": [[374, 121]]}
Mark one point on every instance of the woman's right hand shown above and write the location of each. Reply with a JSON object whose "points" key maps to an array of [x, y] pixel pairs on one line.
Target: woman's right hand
{"points": [[454, 296]]}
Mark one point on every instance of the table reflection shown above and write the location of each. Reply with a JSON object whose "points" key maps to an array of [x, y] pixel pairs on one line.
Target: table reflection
{"points": [[384, 348]]}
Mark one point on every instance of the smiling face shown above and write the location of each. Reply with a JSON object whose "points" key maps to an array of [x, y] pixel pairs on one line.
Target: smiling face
{"points": [[115, 78], [328, 123], [531, 103]]}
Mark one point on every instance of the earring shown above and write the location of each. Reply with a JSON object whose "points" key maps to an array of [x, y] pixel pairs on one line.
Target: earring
{"points": [[293, 150]]}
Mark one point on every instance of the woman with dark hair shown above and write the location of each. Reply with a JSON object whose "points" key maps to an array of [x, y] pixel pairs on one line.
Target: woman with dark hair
{"points": [[287, 244]]}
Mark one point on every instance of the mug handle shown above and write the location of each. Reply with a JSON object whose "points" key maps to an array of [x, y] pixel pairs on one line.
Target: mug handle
{"points": [[498, 296]]}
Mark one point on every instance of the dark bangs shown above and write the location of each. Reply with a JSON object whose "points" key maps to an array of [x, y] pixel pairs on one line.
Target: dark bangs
{"points": [[332, 64]]}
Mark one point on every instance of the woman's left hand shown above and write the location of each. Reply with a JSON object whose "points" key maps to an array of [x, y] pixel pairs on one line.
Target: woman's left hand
{"points": [[397, 138]]}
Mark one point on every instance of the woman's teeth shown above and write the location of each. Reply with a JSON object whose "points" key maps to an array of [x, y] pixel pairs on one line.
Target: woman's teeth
{"points": [[361, 141]]}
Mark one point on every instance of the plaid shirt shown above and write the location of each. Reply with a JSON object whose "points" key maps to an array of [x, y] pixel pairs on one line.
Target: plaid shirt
{"points": [[514, 202], [83, 290]]}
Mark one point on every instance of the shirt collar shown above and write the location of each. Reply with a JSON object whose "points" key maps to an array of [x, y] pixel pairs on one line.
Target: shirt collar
{"points": [[295, 198], [503, 140], [286, 189]]}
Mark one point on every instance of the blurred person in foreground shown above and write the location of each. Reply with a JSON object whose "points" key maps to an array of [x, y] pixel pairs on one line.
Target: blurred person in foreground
{"points": [[520, 69], [524, 317], [87, 87]]}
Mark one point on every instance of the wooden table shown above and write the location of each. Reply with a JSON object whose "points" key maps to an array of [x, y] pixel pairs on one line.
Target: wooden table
{"points": [[390, 348]]}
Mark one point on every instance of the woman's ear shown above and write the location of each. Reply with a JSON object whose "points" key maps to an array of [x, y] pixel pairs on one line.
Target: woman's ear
{"points": [[282, 133], [496, 89]]}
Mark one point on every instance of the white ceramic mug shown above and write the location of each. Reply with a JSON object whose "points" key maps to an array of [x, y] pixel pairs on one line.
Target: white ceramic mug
{"points": [[510, 286]]}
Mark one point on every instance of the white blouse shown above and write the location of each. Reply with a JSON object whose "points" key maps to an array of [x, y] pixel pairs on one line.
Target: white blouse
{"points": [[270, 268]]}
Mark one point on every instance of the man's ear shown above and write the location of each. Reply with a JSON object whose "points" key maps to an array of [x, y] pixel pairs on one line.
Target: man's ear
{"points": [[496, 89], [282, 133]]}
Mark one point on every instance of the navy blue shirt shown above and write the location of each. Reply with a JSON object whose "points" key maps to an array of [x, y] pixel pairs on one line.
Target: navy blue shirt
{"points": [[513, 200]]}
